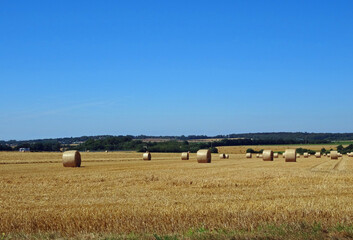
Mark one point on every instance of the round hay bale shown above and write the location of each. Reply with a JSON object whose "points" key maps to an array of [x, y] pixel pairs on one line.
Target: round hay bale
{"points": [[291, 155], [267, 155], [328, 155], [298, 155], [185, 156], [203, 156], [227, 156], [257, 155], [318, 154], [306, 155], [284, 155], [147, 156], [106, 151], [260, 156], [71, 159], [222, 156], [340, 155], [248, 155], [275, 155], [334, 154]]}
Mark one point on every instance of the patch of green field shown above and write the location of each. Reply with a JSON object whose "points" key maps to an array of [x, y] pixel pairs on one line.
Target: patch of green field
{"points": [[343, 142], [266, 231]]}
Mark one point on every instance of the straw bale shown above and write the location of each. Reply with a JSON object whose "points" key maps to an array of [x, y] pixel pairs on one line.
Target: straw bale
{"points": [[334, 154], [267, 155], [71, 159], [291, 155], [185, 156], [204, 156], [147, 156]]}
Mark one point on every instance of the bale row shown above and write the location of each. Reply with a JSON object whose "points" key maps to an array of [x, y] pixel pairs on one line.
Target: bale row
{"points": [[269, 155], [73, 158], [290, 155]]}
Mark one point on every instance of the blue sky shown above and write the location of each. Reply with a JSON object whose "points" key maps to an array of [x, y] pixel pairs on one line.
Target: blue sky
{"points": [[73, 68]]}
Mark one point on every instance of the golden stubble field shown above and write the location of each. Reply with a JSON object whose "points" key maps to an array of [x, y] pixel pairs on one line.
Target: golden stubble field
{"points": [[118, 192]]}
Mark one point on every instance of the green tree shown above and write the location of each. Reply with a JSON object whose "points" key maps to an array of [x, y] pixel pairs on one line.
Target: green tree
{"points": [[340, 148]]}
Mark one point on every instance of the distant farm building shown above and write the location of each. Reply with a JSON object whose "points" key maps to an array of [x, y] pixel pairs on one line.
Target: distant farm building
{"points": [[24, 150]]}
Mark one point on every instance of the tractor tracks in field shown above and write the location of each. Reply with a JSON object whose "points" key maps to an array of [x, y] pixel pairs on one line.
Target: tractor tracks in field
{"points": [[341, 165], [330, 165]]}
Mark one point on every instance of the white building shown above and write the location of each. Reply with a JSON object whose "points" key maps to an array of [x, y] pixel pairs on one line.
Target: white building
{"points": [[24, 149]]}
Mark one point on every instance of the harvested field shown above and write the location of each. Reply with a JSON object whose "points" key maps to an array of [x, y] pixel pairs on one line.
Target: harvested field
{"points": [[119, 193]]}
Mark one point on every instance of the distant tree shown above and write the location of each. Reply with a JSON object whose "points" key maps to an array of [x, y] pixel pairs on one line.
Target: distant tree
{"points": [[4, 147], [214, 150], [250, 150]]}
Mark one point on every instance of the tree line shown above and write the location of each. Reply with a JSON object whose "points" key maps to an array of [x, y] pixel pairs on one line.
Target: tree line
{"points": [[279, 137], [34, 147], [124, 143], [128, 143]]}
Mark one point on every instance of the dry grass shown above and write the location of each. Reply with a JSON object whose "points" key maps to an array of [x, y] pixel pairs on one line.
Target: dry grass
{"points": [[120, 193]]}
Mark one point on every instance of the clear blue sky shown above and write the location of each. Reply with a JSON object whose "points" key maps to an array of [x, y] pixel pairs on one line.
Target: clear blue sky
{"points": [[73, 68]]}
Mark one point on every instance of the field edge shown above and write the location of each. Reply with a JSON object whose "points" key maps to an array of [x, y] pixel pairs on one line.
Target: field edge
{"points": [[266, 231]]}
